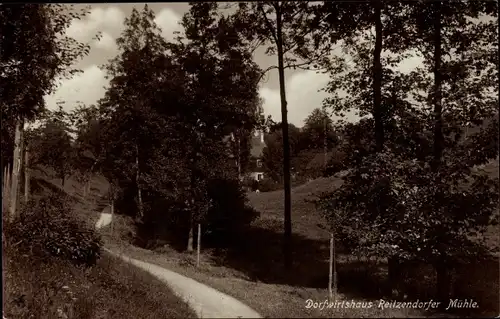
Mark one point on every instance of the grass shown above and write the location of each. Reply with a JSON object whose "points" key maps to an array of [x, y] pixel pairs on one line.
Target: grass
{"points": [[55, 288], [478, 280], [271, 300], [250, 268], [305, 219], [110, 289]]}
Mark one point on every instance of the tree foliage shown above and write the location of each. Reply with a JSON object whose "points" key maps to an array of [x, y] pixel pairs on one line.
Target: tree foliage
{"points": [[417, 197], [35, 53], [176, 103], [51, 145], [318, 127]]}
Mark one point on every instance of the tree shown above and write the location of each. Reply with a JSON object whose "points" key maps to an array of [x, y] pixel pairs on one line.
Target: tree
{"points": [[241, 138], [291, 30], [418, 198], [35, 54], [462, 81], [175, 103], [130, 112], [301, 35], [272, 157], [88, 143], [51, 145], [315, 131], [216, 60]]}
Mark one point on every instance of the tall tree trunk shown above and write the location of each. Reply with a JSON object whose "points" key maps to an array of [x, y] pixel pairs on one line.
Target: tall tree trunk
{"points": [[4, 181], [393, 269], [377, 78], [63, 180], [325, 142], [190, 244], [6, 194], [378, 115], [438, 110], [443, 282], [26, 175], [18, 147], [88, 177], [192, 182], [140, 206], [287, 247], [239, 157], [4, 187]]}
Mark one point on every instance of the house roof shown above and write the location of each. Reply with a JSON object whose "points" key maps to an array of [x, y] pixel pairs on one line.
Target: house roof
{"points": [[257, 146]]}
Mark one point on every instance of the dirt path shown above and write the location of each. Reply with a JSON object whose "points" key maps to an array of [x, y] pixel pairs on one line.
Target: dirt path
{"points": [[205, 301]]}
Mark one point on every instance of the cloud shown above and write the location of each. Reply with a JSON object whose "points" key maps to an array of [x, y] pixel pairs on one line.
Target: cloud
{"points": [[109, 21], [107, 42], [409, 64], [86, 88], [168, 21], [303, 96]]}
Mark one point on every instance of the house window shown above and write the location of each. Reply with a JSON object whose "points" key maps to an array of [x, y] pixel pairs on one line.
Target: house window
{"points": [[260, 176], [259, 163]]}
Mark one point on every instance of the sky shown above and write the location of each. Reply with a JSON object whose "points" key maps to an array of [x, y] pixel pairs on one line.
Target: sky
{"points": [[302, 87]]}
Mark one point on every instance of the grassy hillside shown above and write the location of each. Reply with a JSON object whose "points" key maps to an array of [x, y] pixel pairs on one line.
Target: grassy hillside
{"points": [[305, 219], [250, 267], [50, 287], [479, 281], [111, 289]]}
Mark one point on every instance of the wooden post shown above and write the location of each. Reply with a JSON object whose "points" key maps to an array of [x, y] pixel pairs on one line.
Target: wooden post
{"points": [[330, 273], [111, 198], [26, 175], [112, 215], [198, 247], [334, 262]]}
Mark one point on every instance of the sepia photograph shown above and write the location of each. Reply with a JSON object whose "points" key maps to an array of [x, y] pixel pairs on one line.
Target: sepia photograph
{"points": [[265, 159]]}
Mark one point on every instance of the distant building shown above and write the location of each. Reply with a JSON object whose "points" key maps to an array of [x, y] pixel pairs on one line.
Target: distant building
{"points": [[255, 167]]}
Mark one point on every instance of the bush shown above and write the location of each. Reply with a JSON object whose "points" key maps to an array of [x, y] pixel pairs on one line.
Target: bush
{"points": [[48, 227], [335, 164], [250, 184], [229, 211], [268, 185], [166, 220]]}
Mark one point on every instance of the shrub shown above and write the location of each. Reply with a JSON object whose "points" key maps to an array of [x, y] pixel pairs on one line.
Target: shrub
{"points": [[250, 184], [335, 164], [268, 185], [48, 227], [229, 211]]}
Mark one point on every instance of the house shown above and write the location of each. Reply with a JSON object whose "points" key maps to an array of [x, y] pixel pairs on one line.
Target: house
{"points": [[255, 167]]}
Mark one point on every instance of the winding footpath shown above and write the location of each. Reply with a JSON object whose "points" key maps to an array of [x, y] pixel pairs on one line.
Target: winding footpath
{"points": [[205, 301]]}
